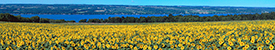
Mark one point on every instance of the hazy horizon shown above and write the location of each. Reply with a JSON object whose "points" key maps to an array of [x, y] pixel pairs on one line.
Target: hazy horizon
{"points": [[231, 3]]}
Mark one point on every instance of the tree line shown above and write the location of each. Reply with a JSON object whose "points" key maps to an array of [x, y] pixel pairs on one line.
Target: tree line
{"points": [[181, 18], [35, 19], [170, 18]]}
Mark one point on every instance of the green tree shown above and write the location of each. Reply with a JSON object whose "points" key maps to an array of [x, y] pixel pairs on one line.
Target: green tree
{"points": [[35, 19], [83, 20]]}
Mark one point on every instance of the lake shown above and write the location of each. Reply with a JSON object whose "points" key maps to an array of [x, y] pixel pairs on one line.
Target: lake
{"points": [[79, 17]]}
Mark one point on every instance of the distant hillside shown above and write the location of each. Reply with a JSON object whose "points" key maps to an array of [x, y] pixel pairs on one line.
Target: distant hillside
{"points": [[124, 9]]}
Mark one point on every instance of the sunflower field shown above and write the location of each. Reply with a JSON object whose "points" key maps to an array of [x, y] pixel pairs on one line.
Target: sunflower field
{"points": [[241, 35]]}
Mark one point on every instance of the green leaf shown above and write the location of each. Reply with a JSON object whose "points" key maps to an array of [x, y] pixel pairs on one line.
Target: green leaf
{"points": [[17, 48], [1, 48]]}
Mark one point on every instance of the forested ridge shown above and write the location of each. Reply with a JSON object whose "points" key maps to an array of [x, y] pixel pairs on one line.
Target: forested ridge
{"points": [[170, 18], [125, 9]]}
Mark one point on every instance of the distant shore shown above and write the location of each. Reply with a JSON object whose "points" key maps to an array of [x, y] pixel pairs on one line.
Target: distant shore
{"points": [[114, 14]]}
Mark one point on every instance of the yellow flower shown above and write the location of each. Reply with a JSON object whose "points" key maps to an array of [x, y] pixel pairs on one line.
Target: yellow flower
{"points": [[179, 45], [145, 47], [229, 48], [213, 45], [230, 43], [176, 45], [163, 45], [160, 49], [156, 46], [224, 45], [199, 47], [140, 46], [259, 48], [63, 48], [242, 44], [108, 46], [149, 47], [7, 48], [193, 44], [56, 42], [51, 48], [50, 42], [93, 47], [73, 44], [182, 48], [221, 42], [239, 40], [113, 47], [18, 45], [267, 41], [135, 48], [271, 47], [246, 46], [86, 47], [172, 46]]}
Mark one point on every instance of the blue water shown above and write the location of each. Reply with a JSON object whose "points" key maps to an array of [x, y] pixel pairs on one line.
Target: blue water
{"points": [[79, 17]]}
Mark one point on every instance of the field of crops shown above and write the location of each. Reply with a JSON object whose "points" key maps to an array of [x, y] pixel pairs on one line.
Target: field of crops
{"points": [[242, 35]]}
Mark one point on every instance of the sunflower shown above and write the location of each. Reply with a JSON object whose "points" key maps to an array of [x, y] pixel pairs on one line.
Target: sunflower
{"points": [[229, 48], [57, 42], [131, 46], [149, 47], [239, 40], [155, 46], [18, 45], [179, 45], [199, 47], [271, 47], [98, 44], [135, 48], [213, 45], [50, 42], [267, 41], [7, 48], [63, 48], [86, 47], [145, 47], [224, 45], [230, 43], [160, 49], [93, 47], [113, 47], [252, 41], [221, 42], [108, 46], [117, 47], [163, 45], [193, 44], [259, 48], [141, 46], [182, 48], [29, 47], [246, 46], [51, 48], [172, 46], [234, 40], [242, 43], [73, 44]]}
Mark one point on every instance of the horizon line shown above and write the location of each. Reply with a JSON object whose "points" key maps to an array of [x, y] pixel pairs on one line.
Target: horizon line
{"points": [[138, 5]]}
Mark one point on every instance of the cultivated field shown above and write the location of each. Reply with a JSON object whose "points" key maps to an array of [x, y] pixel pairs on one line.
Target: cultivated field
{"points": [[240, 35]]}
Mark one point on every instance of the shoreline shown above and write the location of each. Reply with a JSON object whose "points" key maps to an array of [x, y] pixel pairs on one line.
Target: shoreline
{"points": [[118, 14]]}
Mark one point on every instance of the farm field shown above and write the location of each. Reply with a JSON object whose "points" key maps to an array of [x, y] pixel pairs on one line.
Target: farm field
{"points": [[235, 35]]}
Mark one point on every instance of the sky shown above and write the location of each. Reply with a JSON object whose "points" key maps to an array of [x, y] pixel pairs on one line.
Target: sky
{"points": [[235, 3]]}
